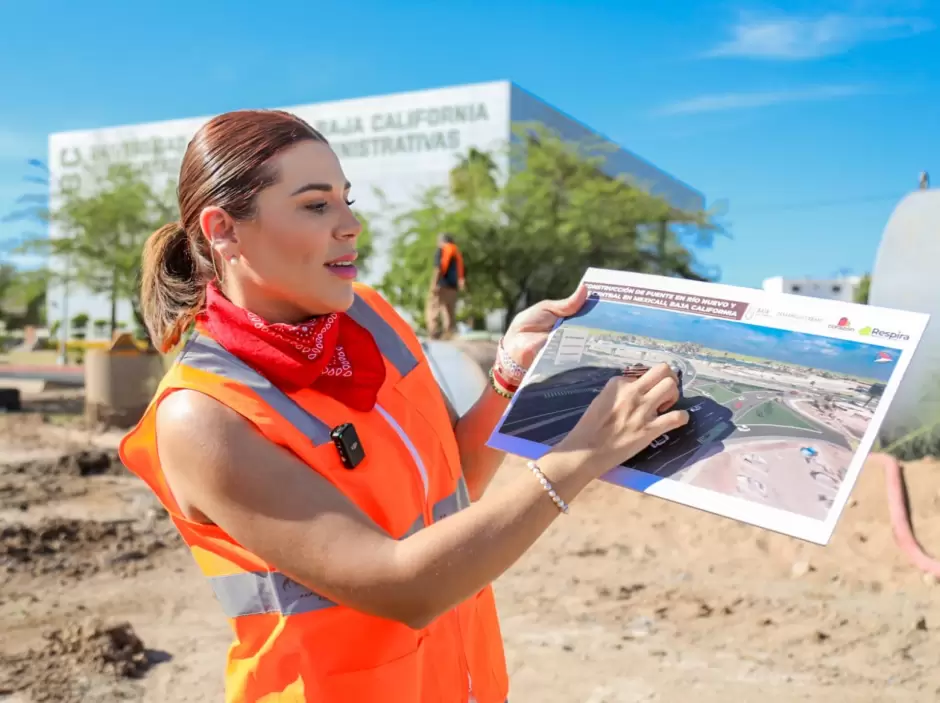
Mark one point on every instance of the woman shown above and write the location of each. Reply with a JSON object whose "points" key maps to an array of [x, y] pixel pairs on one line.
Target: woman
{"points": [[307, 456]]}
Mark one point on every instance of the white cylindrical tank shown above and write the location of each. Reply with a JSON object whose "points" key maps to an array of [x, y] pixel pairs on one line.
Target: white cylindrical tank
{"points": [[906, 276], [460, 377]]}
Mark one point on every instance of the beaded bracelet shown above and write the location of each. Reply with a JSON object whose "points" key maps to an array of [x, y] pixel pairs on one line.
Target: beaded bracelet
{"points": [[546, 484], [511, 371], [509, 384]]}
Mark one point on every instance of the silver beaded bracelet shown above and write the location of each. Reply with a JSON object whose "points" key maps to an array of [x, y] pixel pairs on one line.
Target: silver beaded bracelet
{"points": [[512, 371], [546, 484]]}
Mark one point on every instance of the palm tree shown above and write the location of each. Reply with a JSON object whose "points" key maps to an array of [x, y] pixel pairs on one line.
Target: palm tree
{"points": [[473, 176]]}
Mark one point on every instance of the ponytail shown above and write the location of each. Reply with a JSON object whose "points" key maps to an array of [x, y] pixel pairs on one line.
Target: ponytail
{"points": [[173, 281]]}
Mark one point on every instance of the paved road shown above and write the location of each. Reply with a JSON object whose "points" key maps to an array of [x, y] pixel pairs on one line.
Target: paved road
{"points": [[750, 400], [554, 406], [545, 412]]}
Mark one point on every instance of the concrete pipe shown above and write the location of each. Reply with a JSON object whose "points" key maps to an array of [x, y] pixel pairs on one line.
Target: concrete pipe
{"points": [[119, 384]]}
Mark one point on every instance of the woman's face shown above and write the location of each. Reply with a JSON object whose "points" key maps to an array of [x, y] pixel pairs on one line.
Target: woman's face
{"points": [[295, 257]]}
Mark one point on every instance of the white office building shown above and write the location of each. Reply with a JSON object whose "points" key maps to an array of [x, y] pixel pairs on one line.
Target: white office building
{"points": [[399, 144], [832, 289]]}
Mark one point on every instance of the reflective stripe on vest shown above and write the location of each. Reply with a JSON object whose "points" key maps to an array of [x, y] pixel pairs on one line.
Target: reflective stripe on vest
{"points": [[255, 593], [208, 355], [258, 592], [392, 346]]}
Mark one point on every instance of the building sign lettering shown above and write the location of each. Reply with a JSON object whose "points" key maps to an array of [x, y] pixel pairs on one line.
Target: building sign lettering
{"points": [[379, 134], [402, 132]]}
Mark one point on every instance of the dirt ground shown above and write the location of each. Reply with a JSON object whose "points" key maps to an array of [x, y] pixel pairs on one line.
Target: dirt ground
{"points": [[629, 598]]}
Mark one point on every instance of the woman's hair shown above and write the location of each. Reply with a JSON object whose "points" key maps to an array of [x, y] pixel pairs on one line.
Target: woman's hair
{"points": [[226, 164]]}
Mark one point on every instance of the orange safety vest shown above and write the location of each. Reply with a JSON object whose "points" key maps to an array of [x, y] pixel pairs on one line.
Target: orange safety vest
{"points": [[292, 644], [450, 251]]}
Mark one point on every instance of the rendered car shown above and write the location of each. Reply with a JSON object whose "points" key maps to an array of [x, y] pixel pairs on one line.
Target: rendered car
{"points": [[636, 370], [659, 441]]}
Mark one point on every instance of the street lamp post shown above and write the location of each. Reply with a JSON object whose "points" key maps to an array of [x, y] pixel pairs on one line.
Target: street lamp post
{"points": [[63, 359]]}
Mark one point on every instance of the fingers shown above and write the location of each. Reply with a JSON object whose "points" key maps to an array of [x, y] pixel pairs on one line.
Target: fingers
{"points": [[647, 381], [570, 305], [667, 422], [663, 395]]}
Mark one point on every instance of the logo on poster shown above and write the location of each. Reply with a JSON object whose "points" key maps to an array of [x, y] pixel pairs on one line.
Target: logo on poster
{"points": [[883, 358], [843, 325], [802, 317], [883, 334], [752, 312]]}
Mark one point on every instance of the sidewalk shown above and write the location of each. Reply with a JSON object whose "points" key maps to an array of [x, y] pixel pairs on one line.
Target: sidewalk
{"points": [[47, 373], [39, 368]]}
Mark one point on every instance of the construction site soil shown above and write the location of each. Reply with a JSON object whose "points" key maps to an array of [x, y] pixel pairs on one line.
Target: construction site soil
{"points": [[629, 598]]}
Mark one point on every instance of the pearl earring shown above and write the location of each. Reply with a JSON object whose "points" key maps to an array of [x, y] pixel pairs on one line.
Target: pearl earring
{"points": [[232, 259]]}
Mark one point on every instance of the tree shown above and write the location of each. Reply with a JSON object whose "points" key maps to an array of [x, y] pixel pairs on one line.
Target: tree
{"points": [[531, 235], [23, 290], [365, 242], [102, 229], [80, 324], [33, 207], [474, 176], [7, 282], [862, 292], [22, 297]]}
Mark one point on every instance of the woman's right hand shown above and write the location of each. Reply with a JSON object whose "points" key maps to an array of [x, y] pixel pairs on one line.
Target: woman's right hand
{"points": [[623, 420]]}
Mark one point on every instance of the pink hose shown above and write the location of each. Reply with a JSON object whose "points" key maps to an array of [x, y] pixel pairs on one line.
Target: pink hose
{"points": [[900, 519]]}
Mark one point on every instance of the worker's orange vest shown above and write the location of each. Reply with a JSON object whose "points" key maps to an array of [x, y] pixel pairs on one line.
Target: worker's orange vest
{"points": [[292, 644], [450, 251]]}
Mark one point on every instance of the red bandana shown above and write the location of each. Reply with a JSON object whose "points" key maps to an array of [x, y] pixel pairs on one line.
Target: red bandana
{"points": [[331, 353]]}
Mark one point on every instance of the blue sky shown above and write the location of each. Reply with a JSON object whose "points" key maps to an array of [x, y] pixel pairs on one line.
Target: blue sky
{"points": [[809, 119], [838, 355]]}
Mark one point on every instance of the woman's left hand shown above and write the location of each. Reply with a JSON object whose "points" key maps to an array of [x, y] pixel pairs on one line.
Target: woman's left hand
{"points": [[529, 330]]}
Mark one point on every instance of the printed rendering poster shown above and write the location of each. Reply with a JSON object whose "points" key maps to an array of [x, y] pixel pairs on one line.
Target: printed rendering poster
{"points": [[785, 393]]}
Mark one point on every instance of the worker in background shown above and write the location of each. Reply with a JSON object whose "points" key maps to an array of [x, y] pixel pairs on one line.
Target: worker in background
{"points": [[446, 284], [337, 505]]}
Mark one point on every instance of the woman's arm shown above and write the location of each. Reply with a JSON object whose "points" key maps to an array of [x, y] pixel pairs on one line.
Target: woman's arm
{"points": [[525, 337], [473, 429], [218, 466]]}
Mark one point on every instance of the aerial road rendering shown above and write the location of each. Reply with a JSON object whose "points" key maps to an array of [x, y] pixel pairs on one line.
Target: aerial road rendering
{"points": [[774, 415]]}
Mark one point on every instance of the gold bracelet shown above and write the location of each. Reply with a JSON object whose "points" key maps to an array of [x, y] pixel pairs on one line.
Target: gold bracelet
{"points": [[498, 387]]}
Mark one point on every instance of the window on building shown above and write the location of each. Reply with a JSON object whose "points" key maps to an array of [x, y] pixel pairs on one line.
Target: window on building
{"points": [[837, 289], [795, 288]]}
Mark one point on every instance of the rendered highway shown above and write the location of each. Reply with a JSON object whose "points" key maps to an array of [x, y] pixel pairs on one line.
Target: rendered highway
{"points": [[547, 410]]}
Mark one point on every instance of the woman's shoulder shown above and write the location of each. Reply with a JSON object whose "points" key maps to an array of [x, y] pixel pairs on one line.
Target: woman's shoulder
{"points": [[186, 415], [195, 429]]}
